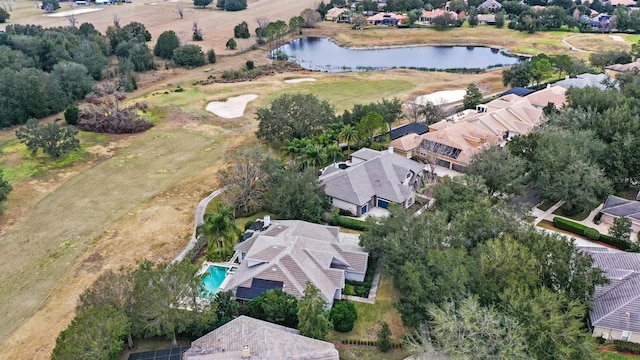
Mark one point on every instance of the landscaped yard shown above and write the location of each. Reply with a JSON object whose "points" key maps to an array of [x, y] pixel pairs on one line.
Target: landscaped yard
{"points": [[607, 355]]}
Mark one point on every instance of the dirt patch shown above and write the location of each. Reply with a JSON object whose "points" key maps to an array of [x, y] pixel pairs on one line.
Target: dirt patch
{"points": [[296, 81], [442, 97]]}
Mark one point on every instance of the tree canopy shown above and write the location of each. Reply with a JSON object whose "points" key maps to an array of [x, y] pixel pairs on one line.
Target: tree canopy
{"points": [[313, 319], [167, 42], [53, 139]]}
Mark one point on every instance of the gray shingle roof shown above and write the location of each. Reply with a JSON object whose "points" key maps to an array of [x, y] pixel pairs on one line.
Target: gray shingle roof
{"points": [[617, 304], [298, 252], [265, 341], [619, 207], [584, 80], [381, 175]]}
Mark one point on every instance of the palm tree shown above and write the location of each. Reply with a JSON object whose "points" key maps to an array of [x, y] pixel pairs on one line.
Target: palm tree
{"points": [[295, 148], [334, 152], [220, 227], [315, 154], [348, 134]]}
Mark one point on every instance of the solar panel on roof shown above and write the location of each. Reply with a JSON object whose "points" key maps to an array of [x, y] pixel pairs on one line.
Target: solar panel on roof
{"points": [[266, 284], [162, 354], [245, 293], [518, 91]]}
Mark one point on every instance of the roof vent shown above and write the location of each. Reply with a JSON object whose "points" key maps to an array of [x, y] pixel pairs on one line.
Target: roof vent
{"points": [[627, 314], [246, 352], [267, 221]]}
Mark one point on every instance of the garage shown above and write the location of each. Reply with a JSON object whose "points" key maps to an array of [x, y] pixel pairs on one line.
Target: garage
{"points": [[383, 204], [364, 209]]}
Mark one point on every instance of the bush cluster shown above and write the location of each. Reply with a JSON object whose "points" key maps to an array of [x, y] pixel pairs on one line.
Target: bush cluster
{"points": [[343, 315], [368, 343], [591, 233], [625, 346], [348, 223]]}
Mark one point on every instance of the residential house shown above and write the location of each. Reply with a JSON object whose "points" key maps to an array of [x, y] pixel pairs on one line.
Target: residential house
{"points": [[288, 254], [372, 178], [600, 21], [252, 339], [335, 14], [491, 5], [406, 145], [613, 70], [388, 19], [452, 142], [615, 207], [585, 80], [486, 19], [627, 3], [406, 129], [616, 306], [427, 16], [551, 94]]}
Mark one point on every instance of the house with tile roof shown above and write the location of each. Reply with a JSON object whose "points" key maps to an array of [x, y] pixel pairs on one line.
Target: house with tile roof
{"points": [[491, 5], [427, 16], [406, 145], [288, 254], [552, 94], [616, 306], [252, 339], [615, 69], [372, 179], [388, 19], [615, 207], [451, 143], [334, 14]]}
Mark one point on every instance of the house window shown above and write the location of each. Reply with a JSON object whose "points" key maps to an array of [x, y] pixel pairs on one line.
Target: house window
{"points": [[626, 336]]}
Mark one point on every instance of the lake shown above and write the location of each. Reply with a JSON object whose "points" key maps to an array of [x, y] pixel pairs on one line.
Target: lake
{"points": [[322, 54]]}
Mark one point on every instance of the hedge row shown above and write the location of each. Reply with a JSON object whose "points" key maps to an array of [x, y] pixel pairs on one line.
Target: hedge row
{"points": [[349, 223], [368, 343], [591, 233], [624, 346]]}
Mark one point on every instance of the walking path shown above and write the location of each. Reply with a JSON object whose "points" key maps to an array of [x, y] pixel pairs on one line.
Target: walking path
{"points": [[372, 293], [540, 215], [571, 47], [198, 220]]}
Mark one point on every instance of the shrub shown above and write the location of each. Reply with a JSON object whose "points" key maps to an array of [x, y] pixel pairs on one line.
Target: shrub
{"points": [[261, 41], [71, 115], [167, 42], [231, 44], [384, 338], [249, 64], [188, 56], [349, 290], [241, 31], [343, 315], [211, 56], [591, 233], [4, 15], [624, 346], [348, 223]]}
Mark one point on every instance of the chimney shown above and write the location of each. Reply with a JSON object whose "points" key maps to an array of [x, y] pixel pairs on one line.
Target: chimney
{"points": [[267, 221], [390, 149], [246, 352]]}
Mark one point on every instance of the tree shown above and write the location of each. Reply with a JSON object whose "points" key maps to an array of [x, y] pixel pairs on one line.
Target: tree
{"points": [[467, 330], [246, 179], [188, 56], [50, 5], [274, 306], [295, 24], [221, 231], [298, 195], [621, 229], [162, 293], [197, 31], [358, 21], [503, 172], [500, 20], [433, 113], [180, 10], [518, 75], [473, 17], [5, 187], [313, 320], [310, 17], [241, 31], [610, 57], [262, 25], [540, 68], [343, 316], [51, 138], [561, 63], [201, 3], [4, 16], [348, 134], [370, 126], [167, 42], [231, 44], [74, 80], [211, 56], [294, 116], [71, 115], [95, 334], [384, 338], [472, 97], [232, 5], [227, 308]]}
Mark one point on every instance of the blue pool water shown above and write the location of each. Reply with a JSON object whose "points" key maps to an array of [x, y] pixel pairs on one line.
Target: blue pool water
{"points": [[213, 278]]}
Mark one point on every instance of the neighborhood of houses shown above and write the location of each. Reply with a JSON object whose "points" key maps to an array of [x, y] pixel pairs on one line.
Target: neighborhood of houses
{"points": [[288, 254]]}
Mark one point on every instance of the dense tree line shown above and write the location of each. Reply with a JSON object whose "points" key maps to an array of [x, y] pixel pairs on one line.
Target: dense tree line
{"points": [[472, 264]]}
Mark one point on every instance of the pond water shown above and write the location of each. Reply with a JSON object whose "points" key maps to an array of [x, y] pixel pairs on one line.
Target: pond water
{"points": [[324, 55]]}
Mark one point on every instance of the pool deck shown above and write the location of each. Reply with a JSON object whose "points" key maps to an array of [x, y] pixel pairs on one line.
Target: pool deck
{"points": [[230, 270]]}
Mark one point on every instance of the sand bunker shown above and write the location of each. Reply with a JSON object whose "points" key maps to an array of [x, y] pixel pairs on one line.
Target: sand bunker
{"points": [[616, 38], [232, 108], [442, 97], [73, 12], [295, 81]]}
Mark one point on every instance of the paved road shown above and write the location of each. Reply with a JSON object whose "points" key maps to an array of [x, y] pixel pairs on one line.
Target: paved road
{"points": [[198, 220]]}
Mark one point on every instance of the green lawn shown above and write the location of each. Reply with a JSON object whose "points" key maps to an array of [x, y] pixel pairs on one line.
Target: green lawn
{"points": [[371, 315], [370, 353], [617, 356], [344, 93]]}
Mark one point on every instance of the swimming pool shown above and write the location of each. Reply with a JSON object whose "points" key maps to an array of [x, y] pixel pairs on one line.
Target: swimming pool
{"points": [[213, 278]]}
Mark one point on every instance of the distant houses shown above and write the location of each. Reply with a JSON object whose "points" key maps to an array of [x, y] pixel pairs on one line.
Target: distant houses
{"points": [[616, 207], [386, 19]]}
